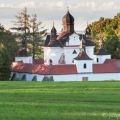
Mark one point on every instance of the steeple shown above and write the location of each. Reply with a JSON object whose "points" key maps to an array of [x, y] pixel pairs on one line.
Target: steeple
{"points": [[82, 44], [53, 30], [68, 22], [87, 31], [53, 33], [82, 54]]}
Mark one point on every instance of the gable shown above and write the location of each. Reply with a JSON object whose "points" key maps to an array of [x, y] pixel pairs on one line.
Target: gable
{"points": [[74, 39]]}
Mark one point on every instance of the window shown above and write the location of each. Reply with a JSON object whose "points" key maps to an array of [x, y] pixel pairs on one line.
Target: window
{"points": [[72, 61], [50, 61], [74, 52], [84, 65], [97, 60]]}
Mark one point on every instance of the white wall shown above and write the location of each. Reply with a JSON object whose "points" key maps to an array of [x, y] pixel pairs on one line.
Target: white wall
{"points": [[90, 51], [40, 77], [53, 53], [80, 66], [74, 39], [101, 58], [29, 77], [69, 56], [70, 77], [90, 76], [19, 75], [24, 59], [74, 77]]}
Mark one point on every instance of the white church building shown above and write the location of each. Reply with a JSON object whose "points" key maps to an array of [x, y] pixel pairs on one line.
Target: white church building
{"points": [[67, 57]]}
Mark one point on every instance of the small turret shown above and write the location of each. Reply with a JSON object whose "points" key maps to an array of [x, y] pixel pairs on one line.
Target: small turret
{"points": [[83, 61], [101, 55], [53, 34]]}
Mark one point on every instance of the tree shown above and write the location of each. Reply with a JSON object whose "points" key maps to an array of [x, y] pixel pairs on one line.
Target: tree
{"points": [[111, 41], [5, 63], [36, 34], [98, 30], [22, 23], [7, 39]]}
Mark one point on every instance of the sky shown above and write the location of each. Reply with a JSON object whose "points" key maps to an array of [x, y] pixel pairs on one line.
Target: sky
{"points": [[48, 11]]}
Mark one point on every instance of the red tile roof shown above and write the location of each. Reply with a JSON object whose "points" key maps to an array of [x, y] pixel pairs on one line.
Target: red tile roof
{"points": [[31, 68], [82, 56], [39, 61], [64, 34], [44, 69], [104, 68], [111, 61], [63, 69]]}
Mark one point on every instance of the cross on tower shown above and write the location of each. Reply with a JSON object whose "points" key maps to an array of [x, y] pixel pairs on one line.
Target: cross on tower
{"points": [[68, 8]]}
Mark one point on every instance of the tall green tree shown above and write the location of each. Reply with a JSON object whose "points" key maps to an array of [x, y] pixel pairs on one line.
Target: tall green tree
{"points": [[22, 23], [5, 63], [36, 40]]}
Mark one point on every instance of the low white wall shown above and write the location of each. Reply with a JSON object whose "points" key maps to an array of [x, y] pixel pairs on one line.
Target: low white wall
{"points": [[73, 77], [40, 77], [90, 76]]}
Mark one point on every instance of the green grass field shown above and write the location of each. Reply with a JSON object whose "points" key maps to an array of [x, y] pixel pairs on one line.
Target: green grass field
{"points": [[59, 100]]}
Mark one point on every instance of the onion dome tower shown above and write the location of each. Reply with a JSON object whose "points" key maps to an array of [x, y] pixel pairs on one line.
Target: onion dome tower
{"points": [[68, 22], [53, 34]]}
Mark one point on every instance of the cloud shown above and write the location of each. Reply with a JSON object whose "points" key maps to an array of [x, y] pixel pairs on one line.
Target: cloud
{"points": [[83, 6], [31, 4], [47, 12]]}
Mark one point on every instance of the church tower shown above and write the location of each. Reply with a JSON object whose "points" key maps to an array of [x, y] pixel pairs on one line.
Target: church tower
{"points": [[53, 33], [83, 61], [68, 22], [23, 54]]}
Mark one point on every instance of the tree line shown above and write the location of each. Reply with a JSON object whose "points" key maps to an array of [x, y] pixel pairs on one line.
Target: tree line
{"points": [[28, 28], [109, 30]]}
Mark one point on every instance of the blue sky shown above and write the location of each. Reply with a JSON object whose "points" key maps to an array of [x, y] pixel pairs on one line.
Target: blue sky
{"points": [[53, 10]]}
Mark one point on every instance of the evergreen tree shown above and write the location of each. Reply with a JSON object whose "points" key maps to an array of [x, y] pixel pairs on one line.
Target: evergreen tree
{"points": [[22, 23], [36, 39], [5, 63]]}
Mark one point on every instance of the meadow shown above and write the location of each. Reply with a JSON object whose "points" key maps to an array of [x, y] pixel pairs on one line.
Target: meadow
{"points": [[59, 100]]}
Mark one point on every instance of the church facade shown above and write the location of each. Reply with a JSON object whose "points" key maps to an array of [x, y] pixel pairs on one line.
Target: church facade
{"points": [[67, 57]]}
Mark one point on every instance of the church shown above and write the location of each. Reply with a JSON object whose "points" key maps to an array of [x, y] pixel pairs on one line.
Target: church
{"points": [[68, 56]]}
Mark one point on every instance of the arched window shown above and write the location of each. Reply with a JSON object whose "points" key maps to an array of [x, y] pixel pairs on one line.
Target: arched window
{"points": [[85, 65], [50, 61], [97, 60], [72, 61]]}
